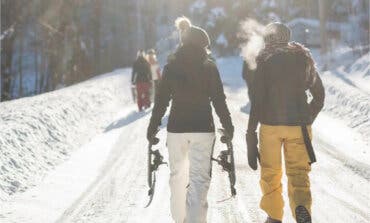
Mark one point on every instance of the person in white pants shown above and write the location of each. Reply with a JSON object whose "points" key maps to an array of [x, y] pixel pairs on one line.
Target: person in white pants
{"points": [[192, 82], [189, 158]]}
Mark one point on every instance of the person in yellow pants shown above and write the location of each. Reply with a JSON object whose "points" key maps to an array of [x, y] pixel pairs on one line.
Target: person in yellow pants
{"points": [[285, 72], [272, 140]]}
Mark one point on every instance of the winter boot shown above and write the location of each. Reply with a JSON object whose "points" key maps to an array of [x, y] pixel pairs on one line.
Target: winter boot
{"points": [[271, 220], [302, 215]]}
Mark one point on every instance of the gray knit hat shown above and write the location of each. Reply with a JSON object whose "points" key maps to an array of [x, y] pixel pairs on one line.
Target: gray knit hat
{"points": [[277, 33], [196, 36]]}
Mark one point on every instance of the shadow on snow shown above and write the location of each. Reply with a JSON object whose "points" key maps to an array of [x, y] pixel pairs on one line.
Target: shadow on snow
{"points": [[133, 116]]}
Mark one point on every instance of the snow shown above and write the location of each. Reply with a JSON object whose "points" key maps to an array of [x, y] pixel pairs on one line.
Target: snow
{"points": [[215, 14], [38, 133], [7, 32], [104, 179], [316, 24], [218, 12], [270, 4], [273, 17], [361, 67], [222, 41], [198, 6], [347, 89], [359, 72]]}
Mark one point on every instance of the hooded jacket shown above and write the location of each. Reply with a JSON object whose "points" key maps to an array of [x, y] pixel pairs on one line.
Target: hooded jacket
{"points": [[192, 82], [278, 95], [141, 71]]}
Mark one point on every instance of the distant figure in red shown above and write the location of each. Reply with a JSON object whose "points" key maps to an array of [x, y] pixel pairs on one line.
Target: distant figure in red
{"points": [[141, 77], [154, 69]]}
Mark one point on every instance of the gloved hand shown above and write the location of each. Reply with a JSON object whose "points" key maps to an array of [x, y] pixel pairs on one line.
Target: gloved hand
{"points": [[229, 132], [252, 141], [151, 133]]}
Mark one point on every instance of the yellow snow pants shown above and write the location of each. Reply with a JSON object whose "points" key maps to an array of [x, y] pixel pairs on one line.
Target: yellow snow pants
{"points": [[297, 167]]}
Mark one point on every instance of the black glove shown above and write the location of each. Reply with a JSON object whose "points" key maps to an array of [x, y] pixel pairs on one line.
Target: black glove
{"points": [[229, 134], [151, 133], [252, 141]]}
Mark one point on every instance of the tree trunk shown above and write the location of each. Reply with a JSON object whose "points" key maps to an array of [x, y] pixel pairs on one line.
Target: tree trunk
{"points": [[323, 34], [41, 84], [8, 22], [36, 60], [96, 37], [20, 64]]}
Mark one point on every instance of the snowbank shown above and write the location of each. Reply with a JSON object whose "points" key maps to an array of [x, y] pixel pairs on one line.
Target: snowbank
{"points": [[38, 133], [361, 67], [348, 103], [347, 89]]}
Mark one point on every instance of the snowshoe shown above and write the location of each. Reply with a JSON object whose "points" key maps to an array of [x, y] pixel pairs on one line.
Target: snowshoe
{"points": [[155, 159], [302, 215], [226, 160], [271, 220]]}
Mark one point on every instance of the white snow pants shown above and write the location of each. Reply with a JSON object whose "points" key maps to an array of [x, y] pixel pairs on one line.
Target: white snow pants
{"points": [[190, 166]]}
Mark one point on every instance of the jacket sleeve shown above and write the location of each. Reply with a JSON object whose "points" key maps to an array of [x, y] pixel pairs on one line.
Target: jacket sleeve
{"points": [[148, 71], [255, 95], [218, 99], [248, 76], [161, 101], [133, 73], [318, 93], [244, 70]]}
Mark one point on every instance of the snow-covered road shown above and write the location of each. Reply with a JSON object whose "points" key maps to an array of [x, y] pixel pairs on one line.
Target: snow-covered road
{"points": [[340, 189], [105, 181]]}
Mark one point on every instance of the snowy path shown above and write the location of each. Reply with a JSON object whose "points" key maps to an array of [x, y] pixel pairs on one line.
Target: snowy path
{"points": [[105, 181], [340, 189]]}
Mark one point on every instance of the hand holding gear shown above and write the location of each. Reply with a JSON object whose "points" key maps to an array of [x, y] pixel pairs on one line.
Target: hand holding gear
{"points": [[151, 133], [252, 149]]}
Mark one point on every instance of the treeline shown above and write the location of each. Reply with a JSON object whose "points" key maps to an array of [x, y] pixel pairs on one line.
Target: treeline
{"points": [[44, 46], [49, 44]]}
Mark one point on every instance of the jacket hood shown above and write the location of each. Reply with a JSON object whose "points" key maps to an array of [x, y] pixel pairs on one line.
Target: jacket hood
{"points": [[290, 48]]}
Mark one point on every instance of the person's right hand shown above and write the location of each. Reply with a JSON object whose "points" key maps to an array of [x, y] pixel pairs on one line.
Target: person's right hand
{"points": [[229, 134], [150, 135], [252, 149]]}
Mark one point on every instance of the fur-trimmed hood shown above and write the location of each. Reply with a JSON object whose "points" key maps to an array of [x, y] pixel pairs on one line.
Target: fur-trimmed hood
{"points": [[290, 48]]}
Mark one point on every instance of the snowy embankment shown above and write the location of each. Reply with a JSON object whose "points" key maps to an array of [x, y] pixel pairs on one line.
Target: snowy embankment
{"points": [[41, 132], [345, 121]]}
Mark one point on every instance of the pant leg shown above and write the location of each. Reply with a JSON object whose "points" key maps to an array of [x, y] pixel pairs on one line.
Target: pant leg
{"points": [[147, 86], [178, 148], [139, 96], [271, 171], [297, 168], [201, 146], [156, 86]]}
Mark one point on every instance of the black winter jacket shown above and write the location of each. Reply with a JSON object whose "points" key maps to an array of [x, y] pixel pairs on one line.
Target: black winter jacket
{"points": [[248, 76], [141, 71], [279, 91], [192, 82]]}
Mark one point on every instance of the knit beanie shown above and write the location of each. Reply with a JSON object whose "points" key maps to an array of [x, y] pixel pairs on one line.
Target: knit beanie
{"points": [[196, 36], [277, 33]]}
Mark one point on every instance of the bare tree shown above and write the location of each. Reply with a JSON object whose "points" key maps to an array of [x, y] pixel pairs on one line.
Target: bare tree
{"points": [[323, 35], [36, 61], [8, 25], [20, 64], [96, 36]]}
